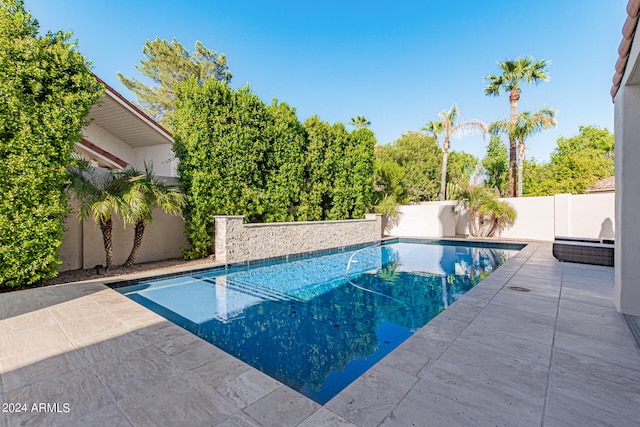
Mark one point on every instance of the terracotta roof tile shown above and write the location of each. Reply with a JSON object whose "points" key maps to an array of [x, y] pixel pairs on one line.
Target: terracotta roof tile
{"points": [[625, 47], [621, 64], [633, 8], [628, 33], [604, 185]]}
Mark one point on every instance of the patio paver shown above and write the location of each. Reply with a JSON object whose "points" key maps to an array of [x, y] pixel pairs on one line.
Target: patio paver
{"points": [[559, 355]]}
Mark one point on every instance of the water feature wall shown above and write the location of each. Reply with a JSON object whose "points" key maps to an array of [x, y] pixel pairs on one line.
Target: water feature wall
{"points": [[238, 242]]}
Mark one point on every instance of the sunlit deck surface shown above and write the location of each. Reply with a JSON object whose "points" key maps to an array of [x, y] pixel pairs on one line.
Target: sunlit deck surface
{"points": [[559, 354]]}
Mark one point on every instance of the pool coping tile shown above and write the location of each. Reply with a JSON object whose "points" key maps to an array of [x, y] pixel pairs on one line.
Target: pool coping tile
{"points": [[396, 381]]}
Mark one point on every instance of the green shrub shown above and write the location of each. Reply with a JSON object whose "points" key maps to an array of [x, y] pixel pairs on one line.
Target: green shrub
{"points": [[46, 92], [241, 157]]}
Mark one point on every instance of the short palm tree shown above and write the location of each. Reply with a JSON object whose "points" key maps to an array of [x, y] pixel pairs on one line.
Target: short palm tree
{"points": [[449, 127], [527, 124], [102, 194], [515, 72], [360, 122], [155, 194], [487, 214]]}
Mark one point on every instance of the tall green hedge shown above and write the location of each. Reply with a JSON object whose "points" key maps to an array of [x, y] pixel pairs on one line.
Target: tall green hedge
{"points": [[283, 171], [46, 91], [239, 156]]}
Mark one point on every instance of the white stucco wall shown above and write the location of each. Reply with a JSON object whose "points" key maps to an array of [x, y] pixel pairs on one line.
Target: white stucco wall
{"points": [[539, 218], [593, 215], [109, 142], [164, 163], [430, 219], [536, 218], [627, 158]]}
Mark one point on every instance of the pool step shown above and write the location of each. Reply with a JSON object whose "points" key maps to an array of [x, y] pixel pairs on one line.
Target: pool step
{"points": [[256, 290]]}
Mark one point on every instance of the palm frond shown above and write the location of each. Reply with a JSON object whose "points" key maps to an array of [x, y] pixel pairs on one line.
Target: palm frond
{"points": [[470, 127], [514, 72], [529, 124], [494, 86], [435, 128]]}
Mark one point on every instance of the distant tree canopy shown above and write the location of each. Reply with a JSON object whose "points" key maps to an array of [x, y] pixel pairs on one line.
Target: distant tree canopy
{"points": [[463, 168], [167, 63], [576, 164], [46, 91], [420, 159], [409, 170], [496, 165], [239, 156]]}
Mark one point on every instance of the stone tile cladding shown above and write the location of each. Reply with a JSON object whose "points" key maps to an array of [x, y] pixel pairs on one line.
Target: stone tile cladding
{"points": [[238, 242]]}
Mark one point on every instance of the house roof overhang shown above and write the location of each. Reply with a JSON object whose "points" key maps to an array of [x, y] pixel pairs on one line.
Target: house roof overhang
{"points": [[628, 34], [127, 122]]}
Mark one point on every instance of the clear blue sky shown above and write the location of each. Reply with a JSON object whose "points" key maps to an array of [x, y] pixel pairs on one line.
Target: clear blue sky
{"points": [[397, 63]]}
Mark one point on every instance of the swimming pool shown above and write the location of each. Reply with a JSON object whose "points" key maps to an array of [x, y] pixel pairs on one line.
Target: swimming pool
{"points": [[317, 323]]}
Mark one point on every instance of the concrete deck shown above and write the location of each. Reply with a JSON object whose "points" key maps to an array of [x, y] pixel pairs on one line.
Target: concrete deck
{"points": [[559, 355]]}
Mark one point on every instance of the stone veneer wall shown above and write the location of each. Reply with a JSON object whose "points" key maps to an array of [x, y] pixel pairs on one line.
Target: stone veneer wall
{"points": [[238, 242]]}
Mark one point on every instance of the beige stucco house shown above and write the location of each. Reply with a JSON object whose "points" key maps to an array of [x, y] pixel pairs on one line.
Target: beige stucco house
{"points": [[121, 135], [626, 97]]}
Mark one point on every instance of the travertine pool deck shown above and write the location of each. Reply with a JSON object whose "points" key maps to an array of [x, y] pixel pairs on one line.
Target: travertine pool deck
{"points": [[559, 355]]}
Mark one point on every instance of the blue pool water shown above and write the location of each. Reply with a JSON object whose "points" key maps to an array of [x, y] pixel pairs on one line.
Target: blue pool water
{"points": [[317, 323]]}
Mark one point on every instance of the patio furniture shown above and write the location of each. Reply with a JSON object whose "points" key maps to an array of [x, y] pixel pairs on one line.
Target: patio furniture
{"points": [[584, 251]]}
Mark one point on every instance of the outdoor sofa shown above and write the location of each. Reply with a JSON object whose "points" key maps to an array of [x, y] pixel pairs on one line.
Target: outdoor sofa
{"points": [[584, 251]]}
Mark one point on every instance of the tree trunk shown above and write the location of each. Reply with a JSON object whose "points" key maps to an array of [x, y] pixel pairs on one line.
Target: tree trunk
{"points": [[481, 227], [511, 191], [137, 242], [522, 153], [443, 176], [107, 231], [472, 221], [493, 227], [514, 96]]}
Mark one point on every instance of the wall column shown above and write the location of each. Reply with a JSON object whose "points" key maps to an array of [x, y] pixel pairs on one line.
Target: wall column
{"points": [[627, 158], [562, 215], [226, 228]]}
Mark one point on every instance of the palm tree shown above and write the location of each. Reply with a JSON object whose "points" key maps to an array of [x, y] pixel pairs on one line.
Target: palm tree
{"points": [[515, 72], [487, 214], [360, 122], [101, 194], [527, 124], [449, 127], [155, 194], [434, 128]]}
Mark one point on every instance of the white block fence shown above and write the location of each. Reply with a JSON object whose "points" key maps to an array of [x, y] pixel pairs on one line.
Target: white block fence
{"points": [[539, 218]]}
